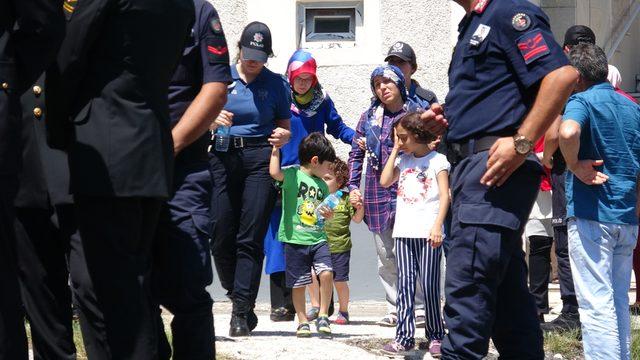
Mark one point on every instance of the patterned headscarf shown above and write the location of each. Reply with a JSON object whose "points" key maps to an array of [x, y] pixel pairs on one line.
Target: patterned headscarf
{"points": [[372, 127], [301, 62]]}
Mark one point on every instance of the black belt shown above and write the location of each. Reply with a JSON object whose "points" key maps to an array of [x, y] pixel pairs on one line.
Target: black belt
{"points": [[239, 142], [457, 152]]}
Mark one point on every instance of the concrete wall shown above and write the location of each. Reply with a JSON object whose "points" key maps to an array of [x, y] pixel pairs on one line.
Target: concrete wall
{"points": [[424, 24]]}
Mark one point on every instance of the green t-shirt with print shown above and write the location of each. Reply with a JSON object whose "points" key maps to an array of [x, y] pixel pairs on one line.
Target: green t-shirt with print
{"points": [[301, 195], [337, 228]]}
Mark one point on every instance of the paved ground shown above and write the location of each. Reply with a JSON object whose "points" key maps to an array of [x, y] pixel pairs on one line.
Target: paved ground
{"points": [[272, 340]]}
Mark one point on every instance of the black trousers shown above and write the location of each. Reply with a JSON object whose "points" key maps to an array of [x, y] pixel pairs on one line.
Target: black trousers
{"points": [[540, 270], [280, 293], [560, 236], [43, 240], [110, 271], [13, 342], [182, 265], [244, 195]]}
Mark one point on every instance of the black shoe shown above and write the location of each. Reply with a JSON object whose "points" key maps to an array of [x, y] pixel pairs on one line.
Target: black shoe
{"points": [[634, 309], [282, 314], [564, 322], [252, 320], [238, 325]]}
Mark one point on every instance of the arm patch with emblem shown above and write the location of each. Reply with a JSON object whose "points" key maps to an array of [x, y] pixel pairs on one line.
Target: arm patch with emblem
{"points": [[217, 49], [532, 46]]}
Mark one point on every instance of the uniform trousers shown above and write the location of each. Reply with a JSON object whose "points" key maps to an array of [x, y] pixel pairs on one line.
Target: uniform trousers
{"points": [[416, 259], [486, 282], [110, 274], [182, 264], [43, 243], [13, 342], [244, 194]]}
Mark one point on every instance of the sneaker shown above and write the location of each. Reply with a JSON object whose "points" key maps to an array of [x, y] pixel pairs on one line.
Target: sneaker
{"points": [[312, 313], [420, 320], [282, 314], [434, 348], [342, 318], [304, 330], [323, 327], [564, 322], [394, 348], [389, 320]]}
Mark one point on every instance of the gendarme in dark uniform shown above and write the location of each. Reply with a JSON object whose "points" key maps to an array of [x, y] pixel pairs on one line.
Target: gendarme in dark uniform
{"points": [[108, 108], [505, 48], [30, 33], [44, 226], [182, 258]]}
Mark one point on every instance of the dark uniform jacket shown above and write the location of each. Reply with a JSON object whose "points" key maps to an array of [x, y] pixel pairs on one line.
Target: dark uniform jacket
{"points": [[44, 177], [30, 33], [107, 98]]}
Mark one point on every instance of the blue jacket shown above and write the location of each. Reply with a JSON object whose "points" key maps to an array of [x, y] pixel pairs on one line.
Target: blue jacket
{"points": [[301, 126]]}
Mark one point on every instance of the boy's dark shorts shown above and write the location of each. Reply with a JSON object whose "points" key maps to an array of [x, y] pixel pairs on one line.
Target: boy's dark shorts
{"points": [[340, 262], [300, 258]]}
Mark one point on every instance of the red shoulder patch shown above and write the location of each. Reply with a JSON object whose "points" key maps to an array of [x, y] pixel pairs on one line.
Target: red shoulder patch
{"points": [[532, 46], [480, 6]]}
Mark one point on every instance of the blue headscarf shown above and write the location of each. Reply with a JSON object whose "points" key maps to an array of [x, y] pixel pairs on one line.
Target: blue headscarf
{"points": [[372, 127]]}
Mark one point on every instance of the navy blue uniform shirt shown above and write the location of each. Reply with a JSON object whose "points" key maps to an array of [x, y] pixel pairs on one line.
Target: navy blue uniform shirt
{"points": [[504, 49], [256, 106], [205, 59]]}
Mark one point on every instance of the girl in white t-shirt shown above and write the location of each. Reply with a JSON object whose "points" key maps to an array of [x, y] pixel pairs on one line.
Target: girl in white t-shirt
{"points": [[422, 204]]}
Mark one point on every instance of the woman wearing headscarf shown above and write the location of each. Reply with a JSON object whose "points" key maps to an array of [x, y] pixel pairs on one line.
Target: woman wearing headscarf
{"points": [[312, 110], [376, 127]]}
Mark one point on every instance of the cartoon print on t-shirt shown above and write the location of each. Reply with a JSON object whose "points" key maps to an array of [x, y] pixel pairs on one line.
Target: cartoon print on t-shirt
{"points": [[309, 198], [413, 185]]}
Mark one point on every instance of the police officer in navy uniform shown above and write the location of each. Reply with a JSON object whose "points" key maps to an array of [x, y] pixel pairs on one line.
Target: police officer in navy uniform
{"points": [[108, 108], [183, 269], [44, 227], [30, 33], [508, 81], [402, 55]]}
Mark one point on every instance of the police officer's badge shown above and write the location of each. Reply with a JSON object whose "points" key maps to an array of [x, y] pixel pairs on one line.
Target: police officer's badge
{"points": [[521, 21], [216, 26]]}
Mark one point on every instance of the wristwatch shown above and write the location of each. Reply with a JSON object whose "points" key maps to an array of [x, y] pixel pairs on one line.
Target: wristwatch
{"points": [[522, 145]]}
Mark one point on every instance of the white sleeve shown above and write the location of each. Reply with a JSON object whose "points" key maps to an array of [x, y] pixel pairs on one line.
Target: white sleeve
{"points": [[440, 164]]}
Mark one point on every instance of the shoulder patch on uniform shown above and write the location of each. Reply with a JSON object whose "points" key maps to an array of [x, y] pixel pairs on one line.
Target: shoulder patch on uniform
{"points": [[216, 26], [217, 50], [69, 6], [521, 21], [481, 5], [532, 46]]}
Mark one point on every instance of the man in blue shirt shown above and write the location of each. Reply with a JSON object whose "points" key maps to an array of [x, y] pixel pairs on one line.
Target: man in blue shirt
{"points": [[197, 93], [599, 141], [508, 81]]}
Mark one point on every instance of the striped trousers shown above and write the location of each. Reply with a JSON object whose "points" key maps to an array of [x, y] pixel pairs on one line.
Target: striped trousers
{"points": [[415, 258]]}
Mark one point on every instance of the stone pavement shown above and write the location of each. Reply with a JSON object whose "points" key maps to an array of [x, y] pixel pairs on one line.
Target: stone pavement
{"points": [[277, 340]]}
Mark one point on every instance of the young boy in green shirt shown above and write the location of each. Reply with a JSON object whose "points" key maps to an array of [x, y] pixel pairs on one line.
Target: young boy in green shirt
{"points": [[305, 241]]}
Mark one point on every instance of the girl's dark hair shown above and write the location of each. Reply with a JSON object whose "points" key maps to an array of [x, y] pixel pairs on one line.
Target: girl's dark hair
{"points": [[341, 171], [413, 124], [315, 144]]}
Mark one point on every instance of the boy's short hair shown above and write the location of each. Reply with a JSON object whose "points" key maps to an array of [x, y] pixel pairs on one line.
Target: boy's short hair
{"points": [[340, 170], [315, 144], [412, 122]]}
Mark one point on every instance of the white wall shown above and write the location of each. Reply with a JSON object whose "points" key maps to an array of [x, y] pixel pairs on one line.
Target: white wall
{"points": [[424, 24]]}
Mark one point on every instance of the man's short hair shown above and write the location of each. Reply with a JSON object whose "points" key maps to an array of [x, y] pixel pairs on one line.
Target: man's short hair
{"points": [[315, 144], [591, 62]]}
